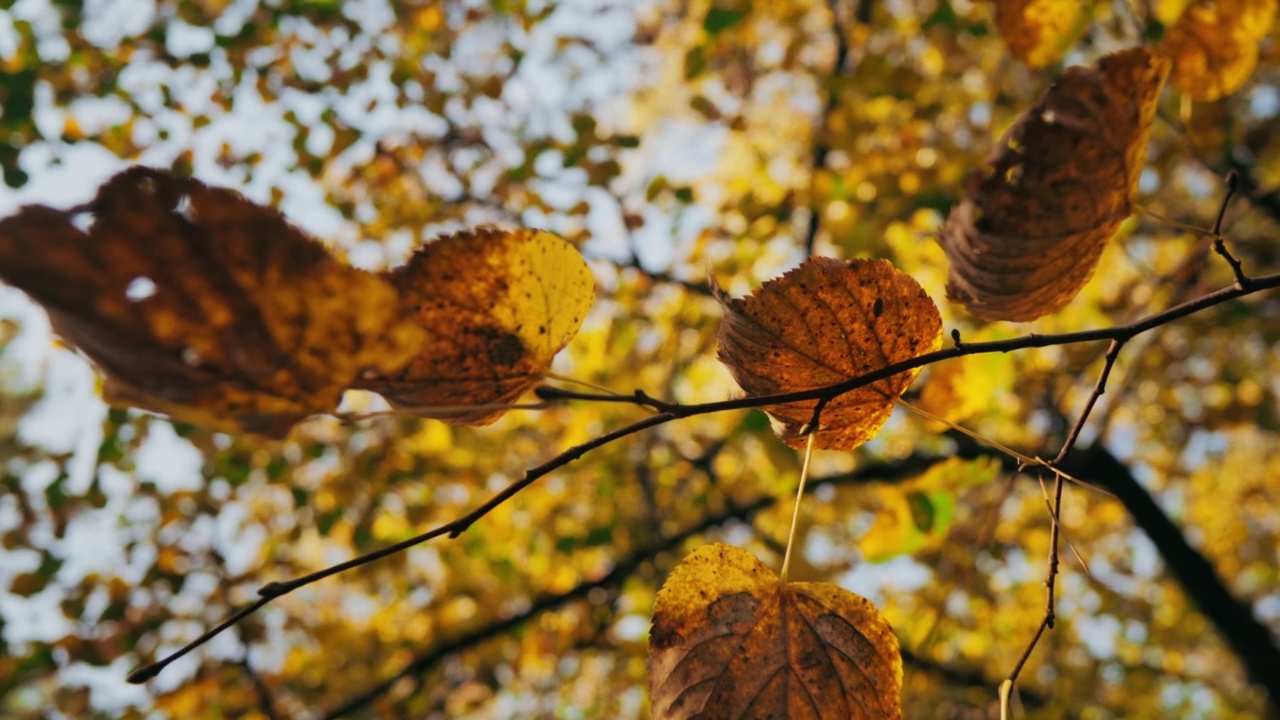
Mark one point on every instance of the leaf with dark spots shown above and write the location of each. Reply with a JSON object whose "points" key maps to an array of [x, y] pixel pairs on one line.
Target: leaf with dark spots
{"points": [[825, 322]]}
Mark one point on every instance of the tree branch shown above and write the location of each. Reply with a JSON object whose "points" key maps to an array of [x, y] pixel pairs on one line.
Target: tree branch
{"points": [[668, 411], [1251, 641]]}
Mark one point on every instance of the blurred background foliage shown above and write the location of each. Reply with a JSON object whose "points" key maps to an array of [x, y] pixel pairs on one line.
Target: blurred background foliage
{"points": [[664, 139]]}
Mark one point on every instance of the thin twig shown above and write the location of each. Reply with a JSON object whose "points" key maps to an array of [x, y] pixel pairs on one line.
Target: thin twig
{"points": [[271, 591], [1046, 622], [669, 411], [1099, 388], [1055, 512], [1219, 245], [551, 393]]}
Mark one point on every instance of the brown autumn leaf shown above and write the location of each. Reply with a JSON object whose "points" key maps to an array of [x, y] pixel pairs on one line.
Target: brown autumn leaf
{"points": [[1214, 45], [1031, 228], [1038, 32], [197, 303], [498, 306], [731, 641], [825, 322]]}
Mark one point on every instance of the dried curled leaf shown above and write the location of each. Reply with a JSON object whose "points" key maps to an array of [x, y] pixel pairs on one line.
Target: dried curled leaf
{"points": [[1030, 231], [1038, 32], [825, 322], [1214, 45], [197, 303], [498, 306], [731, 641]]}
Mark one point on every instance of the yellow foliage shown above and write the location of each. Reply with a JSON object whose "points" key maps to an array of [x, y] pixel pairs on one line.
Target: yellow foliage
{"points": [[1040, 31], [1214, 45], [966, 386]]}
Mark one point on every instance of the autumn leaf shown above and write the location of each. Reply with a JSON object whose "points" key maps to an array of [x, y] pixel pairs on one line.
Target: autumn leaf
{"points": [[1038, 32], [731, 641], [1214, 45], [199, 304], [825, 322], [498, 305], [1031, 229], [918, 513]]}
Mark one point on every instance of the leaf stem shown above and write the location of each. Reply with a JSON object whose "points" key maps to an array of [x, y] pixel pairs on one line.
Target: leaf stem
{"points": [[795, 513]]}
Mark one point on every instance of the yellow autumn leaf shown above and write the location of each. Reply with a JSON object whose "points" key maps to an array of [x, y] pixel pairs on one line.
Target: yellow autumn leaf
{"points": [[822, 323], [1032, 226], [729, 640], [1214, 45], [1038, 32], [497, 305]]}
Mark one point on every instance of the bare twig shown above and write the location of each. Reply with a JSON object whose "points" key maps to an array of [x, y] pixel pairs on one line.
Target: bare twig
{"points": [[1051, 574], [1219, 245], [1099, 388], [669, 411], [1047, 621]]}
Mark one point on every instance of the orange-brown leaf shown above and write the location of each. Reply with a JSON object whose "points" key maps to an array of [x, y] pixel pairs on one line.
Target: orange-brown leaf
{"points": [[1214, 45], [498, 306], [1038, 32], [1030, 231], [198, 303], [731, 641], [825, 322]]}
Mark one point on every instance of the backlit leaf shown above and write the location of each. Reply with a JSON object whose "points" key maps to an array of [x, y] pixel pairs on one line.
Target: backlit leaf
{"points": [[822, 323], [1030, 230], [731, 641], [197, 303], [498, 305], [1214, 45], [1038, 32]]}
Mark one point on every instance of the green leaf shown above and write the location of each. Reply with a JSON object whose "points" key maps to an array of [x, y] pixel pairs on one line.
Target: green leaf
{"points": [[719, 19]]}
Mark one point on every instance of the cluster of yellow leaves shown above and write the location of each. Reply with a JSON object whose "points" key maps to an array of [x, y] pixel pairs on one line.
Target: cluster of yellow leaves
{"points": [[197, 303], [1040, 31], [1031, 228], [1214, 45]]}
